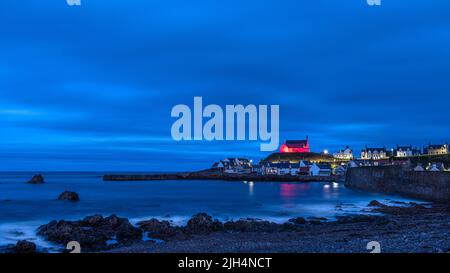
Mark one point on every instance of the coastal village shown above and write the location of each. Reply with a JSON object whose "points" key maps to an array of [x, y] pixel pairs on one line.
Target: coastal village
{"points": [[295, 158]]}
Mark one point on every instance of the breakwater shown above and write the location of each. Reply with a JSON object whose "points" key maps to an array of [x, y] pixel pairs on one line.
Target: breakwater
{"points": [[430, 186], [206, 175]]}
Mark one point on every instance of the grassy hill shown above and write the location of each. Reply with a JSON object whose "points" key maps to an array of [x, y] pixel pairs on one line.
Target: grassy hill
{"points": [[296, 157]]}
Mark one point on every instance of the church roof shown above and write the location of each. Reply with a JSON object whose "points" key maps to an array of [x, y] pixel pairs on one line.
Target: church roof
{"points": [[297, 143]]}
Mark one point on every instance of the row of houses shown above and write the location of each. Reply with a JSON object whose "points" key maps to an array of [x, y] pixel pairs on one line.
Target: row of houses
{"points": [[432, 167], [435, 167], [234, 165], [307, 168], [370, 153], [302, 168], [244, 166]]}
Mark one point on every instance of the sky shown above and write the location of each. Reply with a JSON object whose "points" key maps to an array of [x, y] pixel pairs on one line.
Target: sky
{"points": [[91, 87]]}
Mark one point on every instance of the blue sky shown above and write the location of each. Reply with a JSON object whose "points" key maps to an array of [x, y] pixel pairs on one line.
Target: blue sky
{"points": [[92, 87]]}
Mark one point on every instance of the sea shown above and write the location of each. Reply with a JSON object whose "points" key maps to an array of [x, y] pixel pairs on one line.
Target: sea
{"points": [[24, 207]]}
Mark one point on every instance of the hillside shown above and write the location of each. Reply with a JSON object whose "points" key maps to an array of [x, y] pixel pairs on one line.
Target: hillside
{"points": [[296, 157]]}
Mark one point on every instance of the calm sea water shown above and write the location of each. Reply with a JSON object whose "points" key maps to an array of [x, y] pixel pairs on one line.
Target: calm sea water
{"points": [[23, 207]]}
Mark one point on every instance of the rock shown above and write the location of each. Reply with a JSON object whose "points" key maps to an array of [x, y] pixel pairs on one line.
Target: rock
{"points": [[395, 210], [251, 225], [375, 203], [92, 221], [24, 247], [65, 231], [37, 179], [126, 232], [158, 229], [202, 223], [92, 233], [362, 219], [69, 196], [298, 221], [318, 218]]}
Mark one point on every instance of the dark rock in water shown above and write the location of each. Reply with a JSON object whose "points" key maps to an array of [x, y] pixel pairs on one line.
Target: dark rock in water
{"points": [[92, 233], [298, 221], [24, 247], [159, 229], [250, 225], [375, 203], [124, 231], [69, 196], [37, 179], [413, 208], [318, 218], [92, 221], [202, 223]]}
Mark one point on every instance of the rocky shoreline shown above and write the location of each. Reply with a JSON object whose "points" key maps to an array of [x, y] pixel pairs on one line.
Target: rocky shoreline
{"points": [[409, 227]]}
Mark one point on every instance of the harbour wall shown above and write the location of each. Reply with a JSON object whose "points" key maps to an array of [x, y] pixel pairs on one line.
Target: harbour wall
{"points": [[208, 175], [430, 186]]}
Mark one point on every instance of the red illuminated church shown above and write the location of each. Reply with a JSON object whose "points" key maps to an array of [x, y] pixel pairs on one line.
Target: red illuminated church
{"points": [[295, 146]]}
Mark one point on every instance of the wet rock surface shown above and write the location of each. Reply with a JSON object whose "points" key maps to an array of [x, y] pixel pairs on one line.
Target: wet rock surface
{"points": [[408, 228], [92, 233], [297, 221], [203, 223], [24, 247], [414, 229], [252, 225], [69, 196], [375, 203], [159, 229], [36, 179], [408, 208]]}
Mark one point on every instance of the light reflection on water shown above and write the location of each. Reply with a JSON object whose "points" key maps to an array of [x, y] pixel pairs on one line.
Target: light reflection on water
{"points": [[24, 206]]}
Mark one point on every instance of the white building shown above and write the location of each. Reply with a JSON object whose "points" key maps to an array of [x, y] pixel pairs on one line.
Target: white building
{"points": [[433, 168], [304, 167], [440, 149], [436, 167], [405, 151], [284, 169], [374, 153], [352, 164], [320, 170], [346, 154], [340, 170], [234, 165]]}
